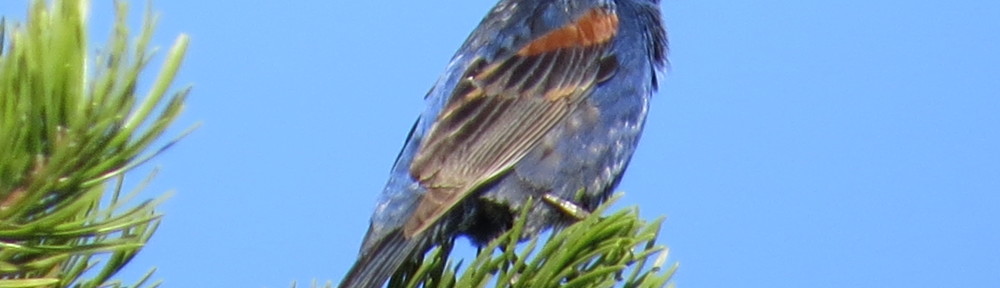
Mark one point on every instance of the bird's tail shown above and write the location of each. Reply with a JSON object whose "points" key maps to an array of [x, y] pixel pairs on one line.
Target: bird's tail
{"points": [[376, 265]]}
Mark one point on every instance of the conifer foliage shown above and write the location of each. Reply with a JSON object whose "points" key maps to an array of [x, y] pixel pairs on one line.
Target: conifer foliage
{"points": [[71, 125]]}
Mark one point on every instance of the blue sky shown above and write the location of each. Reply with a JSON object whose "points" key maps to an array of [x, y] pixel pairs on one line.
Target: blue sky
{"points": [[793, 143]]}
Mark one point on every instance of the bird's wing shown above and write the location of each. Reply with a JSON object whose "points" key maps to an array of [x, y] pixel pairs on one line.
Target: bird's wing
{"points": [[500, 110]]}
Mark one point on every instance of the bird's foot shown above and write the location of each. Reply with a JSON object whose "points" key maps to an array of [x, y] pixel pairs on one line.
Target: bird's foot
{"points": [[566, 206]]}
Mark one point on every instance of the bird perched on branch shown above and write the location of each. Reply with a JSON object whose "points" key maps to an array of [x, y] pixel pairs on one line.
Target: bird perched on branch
{"points": [[545, 100]]}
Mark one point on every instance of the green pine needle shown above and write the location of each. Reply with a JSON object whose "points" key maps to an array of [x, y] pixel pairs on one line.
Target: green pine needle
{"points": [[71, 126], [594, 252], [600, 251]]}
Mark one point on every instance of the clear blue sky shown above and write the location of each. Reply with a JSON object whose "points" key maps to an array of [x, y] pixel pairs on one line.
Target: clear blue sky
{"points": [[793, 144]]}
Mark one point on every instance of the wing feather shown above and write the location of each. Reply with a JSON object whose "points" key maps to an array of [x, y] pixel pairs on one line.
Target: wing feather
{"points": [[501, 110]]}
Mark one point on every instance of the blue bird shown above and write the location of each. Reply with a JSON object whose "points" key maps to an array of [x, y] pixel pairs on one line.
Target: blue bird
{"points": [[545, 100]]}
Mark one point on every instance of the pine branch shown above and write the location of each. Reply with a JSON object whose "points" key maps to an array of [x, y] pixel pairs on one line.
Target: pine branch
{"points": [[616, 250], [67, 137], [599, 251]]}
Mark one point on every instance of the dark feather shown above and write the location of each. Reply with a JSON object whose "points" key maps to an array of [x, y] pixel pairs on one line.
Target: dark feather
{"points": [[375, 266], [503, 109]]}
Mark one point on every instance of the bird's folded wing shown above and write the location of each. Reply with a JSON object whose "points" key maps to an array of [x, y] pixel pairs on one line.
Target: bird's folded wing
{"points": [[500, 110]]}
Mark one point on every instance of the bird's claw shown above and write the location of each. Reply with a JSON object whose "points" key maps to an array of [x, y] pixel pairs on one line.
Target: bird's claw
{"points": [[566, 206]]}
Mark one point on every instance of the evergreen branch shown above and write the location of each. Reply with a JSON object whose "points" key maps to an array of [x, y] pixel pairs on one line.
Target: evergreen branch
{"points": [[596, 252], [67, 137]]}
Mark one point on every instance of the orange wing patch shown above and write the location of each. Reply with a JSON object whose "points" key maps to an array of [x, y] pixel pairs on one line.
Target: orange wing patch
{"points": [[595, 27]]}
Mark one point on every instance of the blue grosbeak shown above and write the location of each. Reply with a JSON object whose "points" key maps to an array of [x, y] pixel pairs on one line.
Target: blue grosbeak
{"points": [[545, 100]]}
